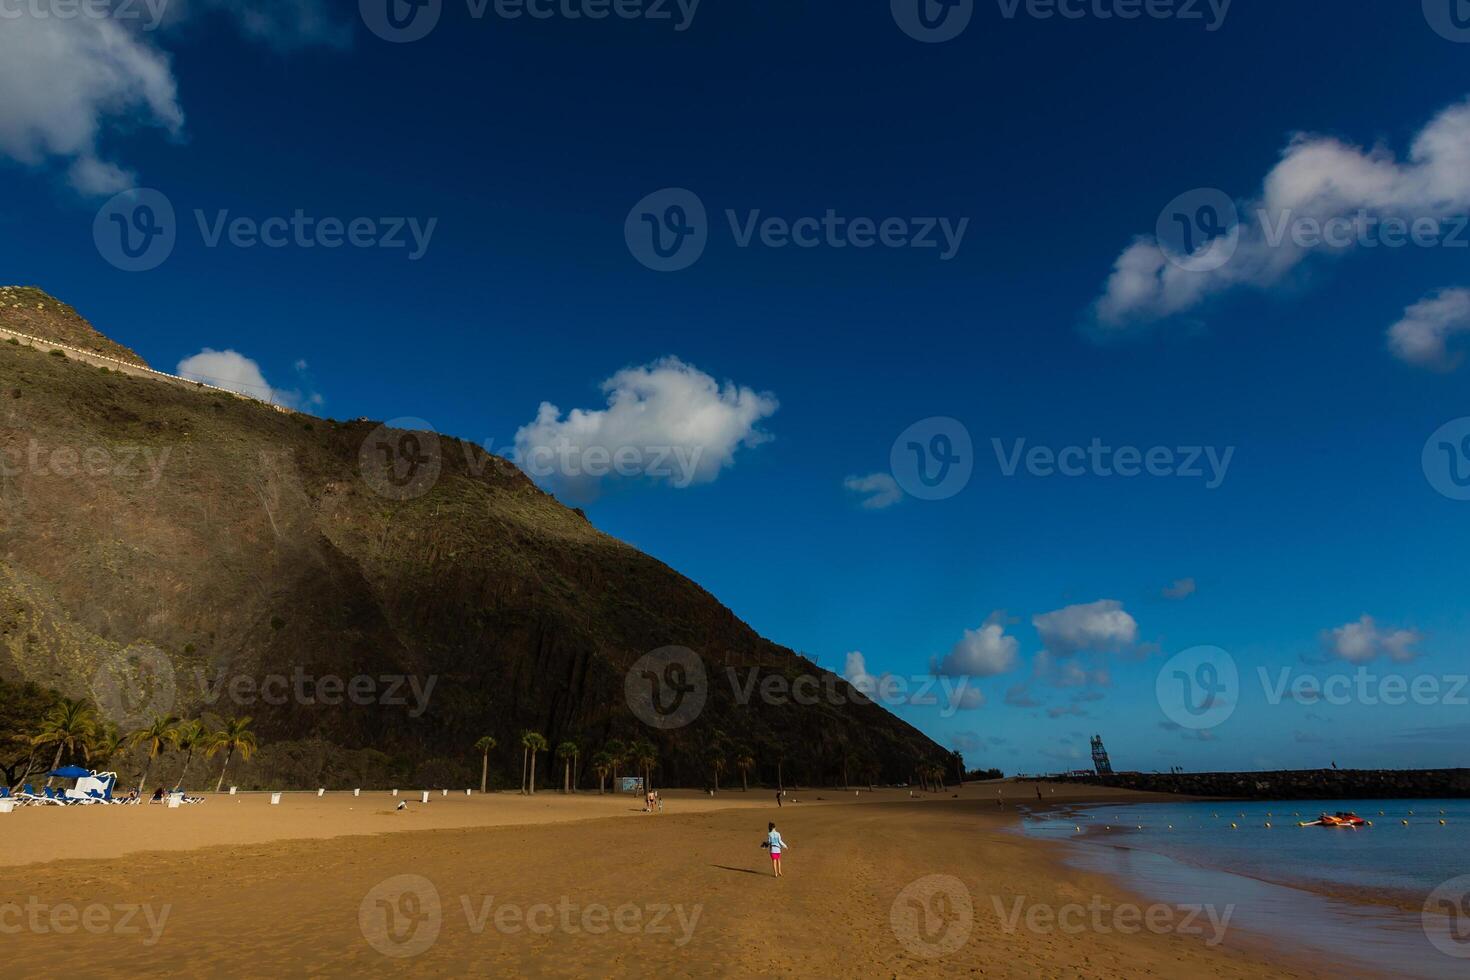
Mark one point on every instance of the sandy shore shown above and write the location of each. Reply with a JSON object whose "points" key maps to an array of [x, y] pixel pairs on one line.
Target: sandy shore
{"points": [[572, 886]]}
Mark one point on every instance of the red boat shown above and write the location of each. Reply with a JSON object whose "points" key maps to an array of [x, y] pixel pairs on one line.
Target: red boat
{"points": [[1338, 819]]}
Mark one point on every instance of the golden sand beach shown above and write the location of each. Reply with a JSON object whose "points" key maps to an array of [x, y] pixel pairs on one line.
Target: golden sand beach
{"points": [[876, 884]]}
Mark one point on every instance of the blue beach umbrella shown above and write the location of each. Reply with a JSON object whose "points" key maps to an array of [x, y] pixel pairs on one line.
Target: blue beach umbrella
{"points": [[71, 772]]}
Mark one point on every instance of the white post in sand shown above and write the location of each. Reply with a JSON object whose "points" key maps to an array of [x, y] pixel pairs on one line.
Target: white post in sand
{"points": [[275, 799], [468, 792], [445, 793], [320, 793], [395, 792], [426, 796], [357, 792], [232, 790]]}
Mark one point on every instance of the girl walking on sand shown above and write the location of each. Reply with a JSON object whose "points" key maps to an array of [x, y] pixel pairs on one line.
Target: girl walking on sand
{"points": [[777, 845]]}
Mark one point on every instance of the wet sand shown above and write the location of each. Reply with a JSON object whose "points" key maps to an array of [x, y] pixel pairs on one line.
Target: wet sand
{"points": [[556, 886]]}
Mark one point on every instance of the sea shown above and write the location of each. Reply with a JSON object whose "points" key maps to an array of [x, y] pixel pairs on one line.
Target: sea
{"points": [[1392, 898]]}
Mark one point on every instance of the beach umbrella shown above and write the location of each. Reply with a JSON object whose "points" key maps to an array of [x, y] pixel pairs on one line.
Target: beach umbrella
{"points": [[71, 772]]}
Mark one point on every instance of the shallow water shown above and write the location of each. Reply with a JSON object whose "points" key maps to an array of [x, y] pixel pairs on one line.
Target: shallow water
{"points": [[1304, 887]]}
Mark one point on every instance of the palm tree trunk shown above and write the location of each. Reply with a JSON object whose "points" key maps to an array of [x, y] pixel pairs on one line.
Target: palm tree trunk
{"points": [[523, 769], [187, 759], [780, 783], [228, 756], [533, 774], [484, 772], [566, 776], [55, 763], [745, 780], [143, 779]]}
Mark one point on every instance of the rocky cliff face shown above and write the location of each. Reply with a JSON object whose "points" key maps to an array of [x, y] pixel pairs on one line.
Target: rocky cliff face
{"points": [[376, 600]]}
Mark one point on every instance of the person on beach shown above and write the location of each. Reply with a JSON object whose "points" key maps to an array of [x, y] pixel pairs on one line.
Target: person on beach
{"points": [[779, 794], [776, 844]]}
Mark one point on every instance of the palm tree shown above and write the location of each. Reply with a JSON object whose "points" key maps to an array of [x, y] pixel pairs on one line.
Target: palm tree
{"points": [[485, 744], [69, 726], [235, 736], [576, 760], [602, 765], [617, 752], [744, 761], [107, 742], [189, 736], [647, 757], [525, 756], [717, 763], [534, 742], [161, 733], [564, 752]]}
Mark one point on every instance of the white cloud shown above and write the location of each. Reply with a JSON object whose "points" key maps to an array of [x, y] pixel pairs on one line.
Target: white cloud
{"points": [[1421, 337], [233, 371], [70, 82], [982, 652], [1364, 640], [1182, 588], [882, 490], [66, 80], [1102, 626], [667, 421], [1066, 671], [855, 672], [1318, 178]]}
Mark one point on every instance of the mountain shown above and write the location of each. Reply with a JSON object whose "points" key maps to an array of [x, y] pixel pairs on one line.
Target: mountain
{"points": [[376, 600]]}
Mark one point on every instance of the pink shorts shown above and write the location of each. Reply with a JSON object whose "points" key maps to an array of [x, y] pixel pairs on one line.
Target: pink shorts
{"points": [[775, 855]]}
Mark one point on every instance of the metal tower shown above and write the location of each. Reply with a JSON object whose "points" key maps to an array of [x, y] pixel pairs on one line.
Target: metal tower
{"points": [[1100, 757]]}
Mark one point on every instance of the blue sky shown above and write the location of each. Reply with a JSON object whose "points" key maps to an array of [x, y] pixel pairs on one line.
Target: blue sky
{"points": [[1058, 141]]}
